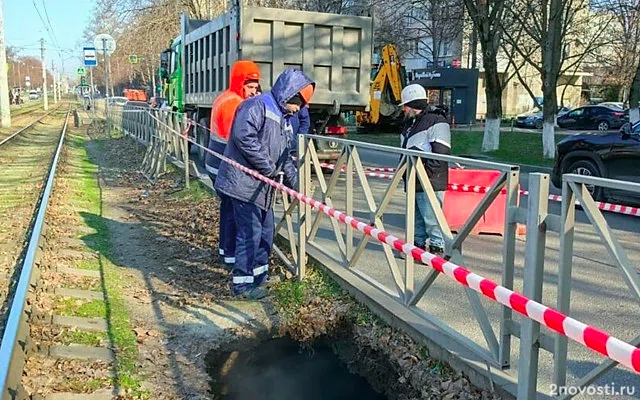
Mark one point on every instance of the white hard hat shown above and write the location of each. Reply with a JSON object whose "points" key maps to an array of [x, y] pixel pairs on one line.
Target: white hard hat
{"points": [[413, 92]]}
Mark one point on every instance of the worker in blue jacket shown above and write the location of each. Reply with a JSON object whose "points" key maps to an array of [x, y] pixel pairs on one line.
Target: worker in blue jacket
{"points": [[300, 125], [300, 121], [259, 140]]}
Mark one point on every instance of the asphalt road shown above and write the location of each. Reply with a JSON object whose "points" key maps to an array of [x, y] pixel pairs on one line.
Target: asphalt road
{"points": [[600, 296], [616, 221]]}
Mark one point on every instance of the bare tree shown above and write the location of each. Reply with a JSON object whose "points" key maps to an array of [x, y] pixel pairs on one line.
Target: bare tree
{"points": [[487, 16], [436, 25], [19, 67], [622, 59], [143, 28], [347, 7], [554, 37], [634, 97], [390, 27]]}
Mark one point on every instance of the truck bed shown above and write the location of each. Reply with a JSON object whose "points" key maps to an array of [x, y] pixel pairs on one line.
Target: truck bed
{"points": [[334, 50]]}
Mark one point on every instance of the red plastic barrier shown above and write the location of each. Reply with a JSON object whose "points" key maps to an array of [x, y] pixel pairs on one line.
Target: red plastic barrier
{"points": [[458, 206]]}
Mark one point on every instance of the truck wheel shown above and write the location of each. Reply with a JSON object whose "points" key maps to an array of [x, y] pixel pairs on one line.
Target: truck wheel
{"points": [[203, 139], [587, 168]]}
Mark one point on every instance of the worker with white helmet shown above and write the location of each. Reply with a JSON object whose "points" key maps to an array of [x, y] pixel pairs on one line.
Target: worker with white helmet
{"points": [[426, 129]]}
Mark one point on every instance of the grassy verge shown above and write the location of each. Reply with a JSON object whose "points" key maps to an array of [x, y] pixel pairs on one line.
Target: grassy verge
{"points": [[86, 196], [316, 306], [515, 147]]}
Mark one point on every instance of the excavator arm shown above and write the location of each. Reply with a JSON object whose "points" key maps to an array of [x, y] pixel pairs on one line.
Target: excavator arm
{"points": [[387, 85]]}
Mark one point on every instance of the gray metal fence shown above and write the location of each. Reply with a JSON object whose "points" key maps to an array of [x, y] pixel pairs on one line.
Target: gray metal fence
{"points": [[384, 281]]}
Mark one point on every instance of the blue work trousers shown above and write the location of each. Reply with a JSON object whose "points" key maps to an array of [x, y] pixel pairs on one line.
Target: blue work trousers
{"points": [[254, 240], [227, 230], [426, 224]]}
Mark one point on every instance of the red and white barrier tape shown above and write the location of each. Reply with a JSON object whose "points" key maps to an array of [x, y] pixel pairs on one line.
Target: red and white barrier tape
{"points": [[374, 172], [593, 338], [457, 187]]}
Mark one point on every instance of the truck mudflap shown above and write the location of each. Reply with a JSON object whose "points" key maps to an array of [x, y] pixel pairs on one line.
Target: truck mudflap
{"points": [[328, 149]]}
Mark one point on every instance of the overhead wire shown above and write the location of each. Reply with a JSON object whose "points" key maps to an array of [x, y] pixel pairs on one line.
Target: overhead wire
{"points": [[55, 38], [43, 22]]}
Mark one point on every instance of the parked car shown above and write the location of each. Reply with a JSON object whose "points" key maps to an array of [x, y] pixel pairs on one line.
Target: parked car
{"points": [[614, 155], [613, 104], [34, 95], [533, 118], [117, 100], [593, 117]]}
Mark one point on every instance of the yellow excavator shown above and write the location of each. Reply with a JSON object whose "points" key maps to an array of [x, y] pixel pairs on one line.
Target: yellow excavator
{"points": [[386, 87]]}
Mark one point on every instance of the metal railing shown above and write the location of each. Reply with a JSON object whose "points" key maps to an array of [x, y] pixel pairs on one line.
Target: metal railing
{"points": [[406, 284], [575, 188], [406, 288]]}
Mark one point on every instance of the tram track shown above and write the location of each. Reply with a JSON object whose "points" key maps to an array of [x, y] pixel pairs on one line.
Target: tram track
{"points": [[28, 161]]}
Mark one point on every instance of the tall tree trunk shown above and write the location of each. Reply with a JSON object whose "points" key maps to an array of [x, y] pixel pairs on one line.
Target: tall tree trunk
{"points": [[493, 93], [474, 47], [551, 65], [549, 109], [634, 97]]}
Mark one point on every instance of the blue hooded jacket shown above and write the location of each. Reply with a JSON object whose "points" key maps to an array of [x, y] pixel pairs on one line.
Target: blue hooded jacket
{"points": [[300, 123], [259, 140]]}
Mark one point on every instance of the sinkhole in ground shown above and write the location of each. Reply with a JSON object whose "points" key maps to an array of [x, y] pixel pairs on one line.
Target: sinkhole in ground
{"points": [[281, 369]]}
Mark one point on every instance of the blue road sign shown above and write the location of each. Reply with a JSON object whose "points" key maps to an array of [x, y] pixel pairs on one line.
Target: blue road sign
{"points": [[90, 58]]}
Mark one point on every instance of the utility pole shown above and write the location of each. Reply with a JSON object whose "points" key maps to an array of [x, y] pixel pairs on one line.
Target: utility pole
{"points": [[44, 76], [92, 91], [107, 63], [55, 91], [113, 93], [5, 112], [61, 74]]}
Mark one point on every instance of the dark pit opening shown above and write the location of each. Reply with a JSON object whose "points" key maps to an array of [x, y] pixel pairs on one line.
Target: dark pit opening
{"points": [[281, 369]]}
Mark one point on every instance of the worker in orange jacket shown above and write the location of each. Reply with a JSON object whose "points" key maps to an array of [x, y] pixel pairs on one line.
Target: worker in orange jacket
{"points": [[244, 83]]}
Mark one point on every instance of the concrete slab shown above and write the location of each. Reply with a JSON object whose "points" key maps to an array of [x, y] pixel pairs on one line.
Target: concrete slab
{"points": [[81, 352], [76, 254], [79, 293], [103, 394], [71, 242], [85, 324], [79, 272]]}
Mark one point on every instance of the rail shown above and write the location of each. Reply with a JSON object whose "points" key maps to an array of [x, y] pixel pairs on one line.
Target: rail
{"points": [[163, 138], [19, 131], [16, 330]]}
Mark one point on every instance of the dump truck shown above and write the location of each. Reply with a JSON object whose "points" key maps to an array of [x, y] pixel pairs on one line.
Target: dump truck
{"points": [[334, 50]]}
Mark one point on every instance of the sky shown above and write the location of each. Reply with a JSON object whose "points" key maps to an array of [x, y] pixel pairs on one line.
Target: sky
{"points": [[23, 28]]}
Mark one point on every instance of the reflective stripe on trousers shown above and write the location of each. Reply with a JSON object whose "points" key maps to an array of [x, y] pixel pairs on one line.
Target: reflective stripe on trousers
{"points": [[257, 271], [254, 240]]}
